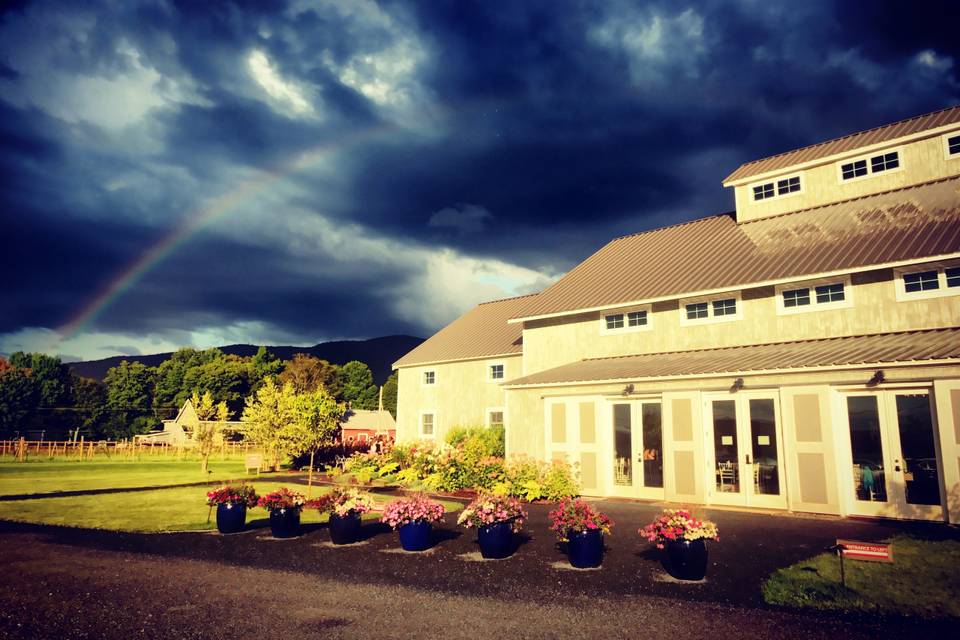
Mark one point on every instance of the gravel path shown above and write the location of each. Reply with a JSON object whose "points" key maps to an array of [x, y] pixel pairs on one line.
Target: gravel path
{"points": [[74, 583]]}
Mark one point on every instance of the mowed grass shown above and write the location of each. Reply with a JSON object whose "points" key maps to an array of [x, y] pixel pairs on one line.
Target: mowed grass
{"points": [[923, 581], [19, 478], [160, 510]]}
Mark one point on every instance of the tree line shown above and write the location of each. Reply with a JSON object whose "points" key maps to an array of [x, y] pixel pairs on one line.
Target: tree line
{"points": [[39, 392]]}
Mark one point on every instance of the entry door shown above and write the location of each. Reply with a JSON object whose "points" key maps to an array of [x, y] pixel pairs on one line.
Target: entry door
{"points": [[637, 449], [744, 450], [894, 464]]}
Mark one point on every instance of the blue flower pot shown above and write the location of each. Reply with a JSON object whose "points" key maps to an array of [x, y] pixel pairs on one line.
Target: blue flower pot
{"points": [[685, 559], [285, 523], [415, 536], [231, 518], [585, 548], [345, 529], [496, 540]]}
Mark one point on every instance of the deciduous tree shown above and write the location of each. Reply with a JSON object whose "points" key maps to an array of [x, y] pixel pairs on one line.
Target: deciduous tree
{"points": [[358, 387], [307, 373], [390, 394]]}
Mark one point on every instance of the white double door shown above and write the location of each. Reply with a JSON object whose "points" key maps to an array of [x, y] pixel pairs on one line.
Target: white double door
{"points": [[894, 466], [744, 450]]}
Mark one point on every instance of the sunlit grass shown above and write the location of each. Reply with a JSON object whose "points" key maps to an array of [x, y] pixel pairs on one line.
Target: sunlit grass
{"points": [[178, 509], [923, 581]]}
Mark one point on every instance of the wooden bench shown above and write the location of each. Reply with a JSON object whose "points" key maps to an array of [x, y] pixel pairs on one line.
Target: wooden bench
{"points": [[253, 461]]}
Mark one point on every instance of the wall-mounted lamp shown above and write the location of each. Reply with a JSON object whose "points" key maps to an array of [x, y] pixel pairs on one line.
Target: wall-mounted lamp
{"points": [[737, 385], [878, 378], [627, 390]]}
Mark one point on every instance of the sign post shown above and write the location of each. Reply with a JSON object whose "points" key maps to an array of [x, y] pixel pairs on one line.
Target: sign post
{"points": [[857, 550]]}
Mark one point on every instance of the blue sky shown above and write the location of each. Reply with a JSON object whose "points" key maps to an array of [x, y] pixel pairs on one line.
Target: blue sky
{"points": [[348, 169]]}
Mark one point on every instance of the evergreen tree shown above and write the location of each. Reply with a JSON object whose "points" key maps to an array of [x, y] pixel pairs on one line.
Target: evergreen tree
{"points": [[358, 387]]}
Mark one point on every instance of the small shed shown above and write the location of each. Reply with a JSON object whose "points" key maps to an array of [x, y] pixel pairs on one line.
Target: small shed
{"points": [[361, 425]]}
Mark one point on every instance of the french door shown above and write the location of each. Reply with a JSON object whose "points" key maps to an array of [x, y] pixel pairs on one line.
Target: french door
{"points": [[636, 449], [744, 451], [893, 455]]}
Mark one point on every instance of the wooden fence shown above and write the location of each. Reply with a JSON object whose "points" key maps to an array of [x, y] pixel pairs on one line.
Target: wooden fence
{"points": [[22, 450]]}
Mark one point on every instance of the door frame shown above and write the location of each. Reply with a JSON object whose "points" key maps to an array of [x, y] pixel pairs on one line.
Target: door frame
{"points": [[746, 497], [636, 489], [896, 505]]}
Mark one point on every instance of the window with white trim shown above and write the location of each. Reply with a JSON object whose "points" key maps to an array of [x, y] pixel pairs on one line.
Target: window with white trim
{"points": [[928, 282], [776, 189], [953, 145], [817, 295], [429, 377], [496, 372], [715, 309], [495, 418], [626, 321], [863, 167], [426, 425]]}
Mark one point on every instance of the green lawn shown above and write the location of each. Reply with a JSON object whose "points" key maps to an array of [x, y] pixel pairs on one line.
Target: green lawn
{"points": [[923, 581], [178, 509], [49, 477]]}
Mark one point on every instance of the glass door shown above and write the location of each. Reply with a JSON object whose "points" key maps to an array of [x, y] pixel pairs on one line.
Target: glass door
{"points": [[637, 449], [744, 452], [893, 455]]}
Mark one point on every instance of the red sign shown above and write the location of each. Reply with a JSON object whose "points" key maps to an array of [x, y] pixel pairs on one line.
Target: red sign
{"points": [[872, 551]]}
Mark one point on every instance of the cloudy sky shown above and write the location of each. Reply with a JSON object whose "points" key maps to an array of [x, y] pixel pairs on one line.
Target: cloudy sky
{"points": [[204, 173]]}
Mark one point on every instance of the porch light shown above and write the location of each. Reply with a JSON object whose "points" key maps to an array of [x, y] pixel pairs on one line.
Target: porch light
{"points": [[878, 378], [737, 385], [627, 390]]}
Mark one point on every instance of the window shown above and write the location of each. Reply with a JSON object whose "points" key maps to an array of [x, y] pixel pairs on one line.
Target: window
{"points": [[763, 191], [712, 309], [884, 162], [788, 186], [615, 321], [854, 169], [920, 281], [495, 418], [953, 145], [426, 424], [817, 295], [636, 318], [827, 293], [783, 187], [867, 166], [953, 276], [932, 282], [697, 310], [429, 377], [496, 372], [725, 307], [796, 297]]}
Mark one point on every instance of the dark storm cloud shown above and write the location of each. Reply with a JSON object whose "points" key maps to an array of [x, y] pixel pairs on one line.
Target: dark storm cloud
{"points": [[526, 133]]}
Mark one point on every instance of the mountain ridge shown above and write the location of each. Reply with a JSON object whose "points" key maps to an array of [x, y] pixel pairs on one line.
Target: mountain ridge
{"points": [[378, 353]]}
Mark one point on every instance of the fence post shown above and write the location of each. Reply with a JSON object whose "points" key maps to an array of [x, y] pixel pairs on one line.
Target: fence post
{"points": [[22, 450]]}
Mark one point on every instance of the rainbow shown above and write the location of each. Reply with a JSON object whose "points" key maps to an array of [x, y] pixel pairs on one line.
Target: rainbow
{"points": [[197, 221]]}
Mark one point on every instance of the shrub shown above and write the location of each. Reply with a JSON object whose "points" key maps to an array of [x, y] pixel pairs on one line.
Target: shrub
{"points": [[490, 439], [558, 482]]}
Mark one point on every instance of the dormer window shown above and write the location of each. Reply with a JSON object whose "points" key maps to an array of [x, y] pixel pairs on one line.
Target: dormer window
{"points": [[863, 167], [718, 308], [928, 282], [783, 187], [817, 295], [636, 320], [952, 145]]}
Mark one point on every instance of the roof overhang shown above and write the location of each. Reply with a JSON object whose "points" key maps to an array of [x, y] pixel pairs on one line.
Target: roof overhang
{"points": [[739, 287]]}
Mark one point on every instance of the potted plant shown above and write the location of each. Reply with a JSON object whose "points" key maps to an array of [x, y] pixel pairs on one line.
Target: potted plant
{"points": [[284, 506], [345, 507], [683, 541], [413, 518], [496, 518], [582, 528], [232, 503]]}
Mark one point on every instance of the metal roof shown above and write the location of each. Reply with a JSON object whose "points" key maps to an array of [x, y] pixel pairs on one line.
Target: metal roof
{"points": [[368, 420], [481, 332], [907, 346], [717, 253], [847, 143]]}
